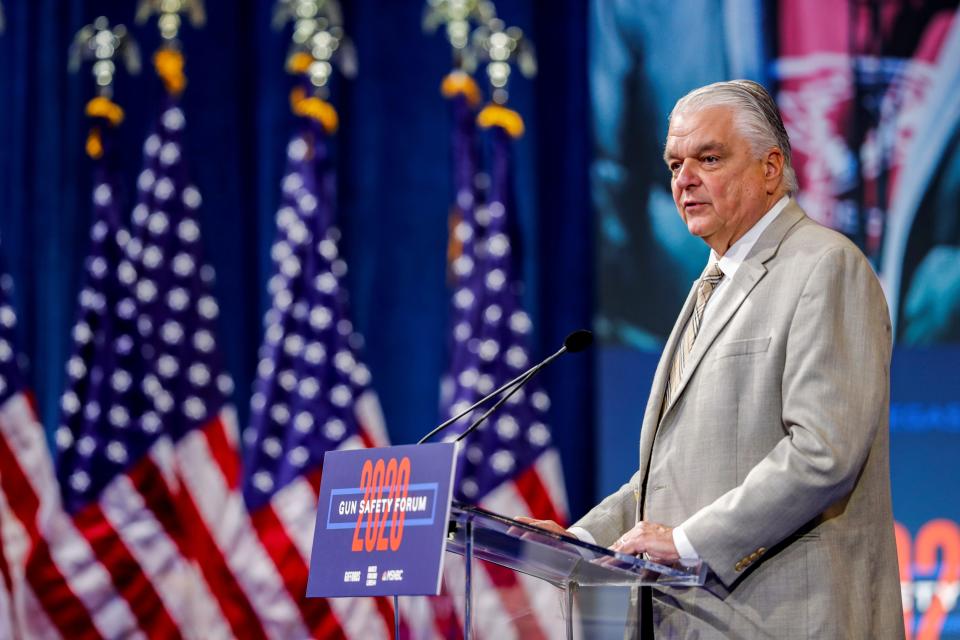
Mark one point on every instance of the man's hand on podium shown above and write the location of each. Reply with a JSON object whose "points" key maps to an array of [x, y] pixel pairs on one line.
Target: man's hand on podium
{"points": [[549, 525], [654, 540]]}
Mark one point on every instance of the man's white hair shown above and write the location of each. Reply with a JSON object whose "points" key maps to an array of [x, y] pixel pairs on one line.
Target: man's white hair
{"points": [[756, 116]]}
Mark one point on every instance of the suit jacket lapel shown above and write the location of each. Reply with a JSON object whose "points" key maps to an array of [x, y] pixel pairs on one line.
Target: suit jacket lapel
{"points": [[748, 275], [651, 417]]}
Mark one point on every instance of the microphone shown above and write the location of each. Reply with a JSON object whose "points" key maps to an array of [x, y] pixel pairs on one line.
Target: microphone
{"points": [[573, 343], [578, 341]]}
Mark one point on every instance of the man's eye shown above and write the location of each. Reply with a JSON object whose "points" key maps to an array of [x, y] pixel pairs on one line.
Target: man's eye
{"points": [[674, 167], [710, 160]]}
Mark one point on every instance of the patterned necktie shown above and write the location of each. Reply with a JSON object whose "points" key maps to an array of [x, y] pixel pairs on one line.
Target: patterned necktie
{"points": [[708, 283]]}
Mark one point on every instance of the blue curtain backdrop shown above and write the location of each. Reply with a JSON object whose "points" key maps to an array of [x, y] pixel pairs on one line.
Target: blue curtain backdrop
{"points": [[394, 189]]}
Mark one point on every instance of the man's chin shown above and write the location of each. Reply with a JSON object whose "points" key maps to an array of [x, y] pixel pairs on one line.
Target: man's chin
{"points": [[698, 229]]}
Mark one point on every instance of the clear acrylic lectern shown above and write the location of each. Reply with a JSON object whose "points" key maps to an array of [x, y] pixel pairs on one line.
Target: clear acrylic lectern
{"points": [[564, 562]]}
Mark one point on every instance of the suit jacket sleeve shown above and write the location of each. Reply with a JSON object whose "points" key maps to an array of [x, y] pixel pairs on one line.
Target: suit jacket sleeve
{"points": [[617, 513], [834, 391]]}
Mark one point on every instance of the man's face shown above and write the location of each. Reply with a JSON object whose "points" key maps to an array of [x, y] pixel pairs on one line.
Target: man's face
{"points": [[720, 188]]}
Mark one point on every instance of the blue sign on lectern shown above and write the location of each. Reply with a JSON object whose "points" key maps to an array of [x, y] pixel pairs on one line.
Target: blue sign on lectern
{"points": [[382, 521]]}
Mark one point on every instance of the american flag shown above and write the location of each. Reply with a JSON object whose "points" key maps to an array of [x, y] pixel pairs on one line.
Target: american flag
{"points": [[116, 464], [33, 574], [312, 394], [508, 465], [79, 578], [246, 584], [150, 464]]}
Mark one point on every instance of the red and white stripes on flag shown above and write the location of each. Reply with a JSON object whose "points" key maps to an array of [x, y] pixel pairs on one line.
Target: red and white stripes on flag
{"points": [[60, 589], [6, 582], [66, 583], [528, 607]]}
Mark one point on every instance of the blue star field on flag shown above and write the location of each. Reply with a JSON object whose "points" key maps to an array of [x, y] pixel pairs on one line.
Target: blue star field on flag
{"points": [[101, 432], [491, 332], [309, 377], [178, 312], [145, 363]]}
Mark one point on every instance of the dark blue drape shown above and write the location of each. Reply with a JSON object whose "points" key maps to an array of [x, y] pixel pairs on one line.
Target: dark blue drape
{"points": [[393, 157]]}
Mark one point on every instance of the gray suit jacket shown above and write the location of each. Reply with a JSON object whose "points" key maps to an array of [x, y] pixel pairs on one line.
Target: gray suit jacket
{"points": [[774, 453]]}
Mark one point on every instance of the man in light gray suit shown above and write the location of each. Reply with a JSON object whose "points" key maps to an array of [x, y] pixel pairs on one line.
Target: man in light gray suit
{"points": [[764, 445]]}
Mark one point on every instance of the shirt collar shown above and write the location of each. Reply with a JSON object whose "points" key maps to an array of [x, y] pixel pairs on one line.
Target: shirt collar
{"points": [[740, 249]]}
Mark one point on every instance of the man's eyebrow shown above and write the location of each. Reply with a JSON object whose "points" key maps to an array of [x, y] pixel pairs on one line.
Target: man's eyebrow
{"points": [[706, 147]]}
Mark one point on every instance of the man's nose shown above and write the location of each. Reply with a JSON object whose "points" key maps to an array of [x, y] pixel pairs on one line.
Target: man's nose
{"points": [[687, 175]]}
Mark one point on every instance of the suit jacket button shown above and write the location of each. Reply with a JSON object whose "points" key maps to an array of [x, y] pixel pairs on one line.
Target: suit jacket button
{"points": [[762, 550], [754, 556], [738, 566]]}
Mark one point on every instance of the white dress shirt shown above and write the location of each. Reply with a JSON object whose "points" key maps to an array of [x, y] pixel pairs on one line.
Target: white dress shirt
{"points": [[729, 263]]}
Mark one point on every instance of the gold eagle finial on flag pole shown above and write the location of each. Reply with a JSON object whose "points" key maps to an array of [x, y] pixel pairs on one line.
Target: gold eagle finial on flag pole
{"points": [[103, 45], [318, 41], [500, 46], [169, 12], [477, 36], [459, 17], [168, 60], [317, 45]]}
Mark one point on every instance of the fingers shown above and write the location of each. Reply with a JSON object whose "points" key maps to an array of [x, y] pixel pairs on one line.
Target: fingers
{"points": [[518, 531], [549, 525], [654, 540], [629, 544], [633, 541]]}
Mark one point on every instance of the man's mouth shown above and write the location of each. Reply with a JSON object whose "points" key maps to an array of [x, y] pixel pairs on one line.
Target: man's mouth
{"points": [[693, 205]]}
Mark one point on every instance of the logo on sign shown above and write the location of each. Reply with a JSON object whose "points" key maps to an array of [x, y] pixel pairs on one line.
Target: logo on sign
{"points": [[392, 575], [382, 506]]}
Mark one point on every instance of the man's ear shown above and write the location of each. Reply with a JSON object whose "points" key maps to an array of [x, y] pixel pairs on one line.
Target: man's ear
{"points": [[773, 169]]}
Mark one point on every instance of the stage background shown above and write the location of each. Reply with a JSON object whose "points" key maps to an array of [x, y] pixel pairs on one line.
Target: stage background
{"points": [[872, 103]]}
